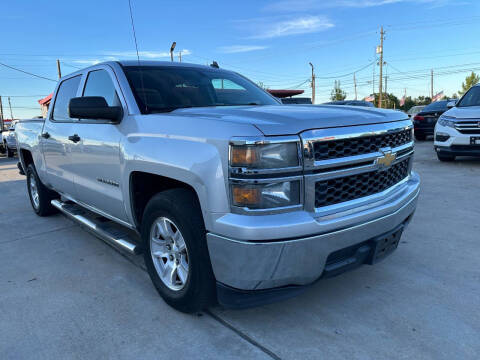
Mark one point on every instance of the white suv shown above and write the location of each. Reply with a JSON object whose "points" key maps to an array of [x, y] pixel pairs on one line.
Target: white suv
{"points": [[457, 132]]}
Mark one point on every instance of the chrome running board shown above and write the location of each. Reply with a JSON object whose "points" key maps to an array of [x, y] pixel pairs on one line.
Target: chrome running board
{"points": [[107, 230]]}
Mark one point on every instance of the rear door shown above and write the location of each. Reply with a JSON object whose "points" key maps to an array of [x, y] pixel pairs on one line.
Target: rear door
{"points": [[56, 146], [97, 155]]}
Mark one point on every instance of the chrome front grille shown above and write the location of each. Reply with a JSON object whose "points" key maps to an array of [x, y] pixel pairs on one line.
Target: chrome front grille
{"points": [[355, 166], [338, 190], [334, 149], [468, 127]]}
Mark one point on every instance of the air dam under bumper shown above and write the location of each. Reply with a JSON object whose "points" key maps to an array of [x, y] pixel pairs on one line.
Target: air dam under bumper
{"points": [[257, 265]]}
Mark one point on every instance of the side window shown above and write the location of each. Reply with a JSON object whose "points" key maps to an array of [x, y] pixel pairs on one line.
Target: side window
{"points": [[99, 83], [67, 90]]}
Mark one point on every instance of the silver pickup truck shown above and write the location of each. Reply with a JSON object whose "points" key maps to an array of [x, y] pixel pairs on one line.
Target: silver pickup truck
{"points": [[230, 195]]}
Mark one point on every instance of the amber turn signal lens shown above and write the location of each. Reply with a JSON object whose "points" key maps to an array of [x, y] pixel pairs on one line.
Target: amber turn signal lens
{"points": [[243, 196], [243, 156]]}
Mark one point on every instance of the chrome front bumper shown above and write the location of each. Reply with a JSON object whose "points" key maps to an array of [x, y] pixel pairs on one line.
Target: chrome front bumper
{"points": [[254, 265]]}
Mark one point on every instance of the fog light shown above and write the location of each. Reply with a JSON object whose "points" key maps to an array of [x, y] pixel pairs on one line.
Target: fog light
{"points": [[439, 136]]}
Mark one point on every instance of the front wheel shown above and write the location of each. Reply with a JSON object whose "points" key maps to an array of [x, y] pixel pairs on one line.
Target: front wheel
{"points": [[176, 253], [40, 195]]}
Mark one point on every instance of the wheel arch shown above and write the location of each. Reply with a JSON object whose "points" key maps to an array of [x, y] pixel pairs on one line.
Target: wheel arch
{"points": [[144, 185]]}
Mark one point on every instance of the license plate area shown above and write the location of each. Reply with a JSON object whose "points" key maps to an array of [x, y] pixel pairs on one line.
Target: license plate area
{"points": [[384, 245], [474, 140]]}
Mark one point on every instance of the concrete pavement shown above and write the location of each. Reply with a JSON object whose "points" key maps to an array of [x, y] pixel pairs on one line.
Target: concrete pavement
{"points": [[65, 294]]}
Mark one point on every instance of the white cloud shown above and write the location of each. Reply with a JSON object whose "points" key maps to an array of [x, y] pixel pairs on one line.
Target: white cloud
{"points": [[233, 49], [87, 61], [120, 55], [293, 26], [306, 5], [146, 54]]}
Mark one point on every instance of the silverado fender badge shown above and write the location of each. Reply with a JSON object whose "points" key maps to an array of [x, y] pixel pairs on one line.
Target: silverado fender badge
{"points": [[108, 182], [386, 159]]}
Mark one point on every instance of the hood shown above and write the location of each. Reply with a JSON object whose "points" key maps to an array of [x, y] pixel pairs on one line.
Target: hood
{"points": [[293, 119], [469, 112]]}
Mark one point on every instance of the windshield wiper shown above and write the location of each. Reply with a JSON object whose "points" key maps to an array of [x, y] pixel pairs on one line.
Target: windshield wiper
{"points": [[167, 109]]}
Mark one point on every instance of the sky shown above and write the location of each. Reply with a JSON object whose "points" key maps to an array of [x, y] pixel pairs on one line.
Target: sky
{"points": [[271, 42]]}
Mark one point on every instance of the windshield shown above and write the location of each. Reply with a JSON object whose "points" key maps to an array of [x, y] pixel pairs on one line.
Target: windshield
{"points": [[471, 98], [436, 106], [163, 89]]}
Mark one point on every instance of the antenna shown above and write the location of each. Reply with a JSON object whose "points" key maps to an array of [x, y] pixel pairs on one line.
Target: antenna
{"points": [[138, 57]]}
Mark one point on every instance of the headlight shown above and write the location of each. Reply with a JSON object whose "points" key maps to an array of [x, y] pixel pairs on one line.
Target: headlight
{"points": [[265, 174], [266, 196], [446, 121], [265, 156]]}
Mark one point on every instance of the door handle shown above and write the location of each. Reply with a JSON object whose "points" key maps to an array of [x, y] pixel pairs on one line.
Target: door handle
{"points": [[75, 138], [46, 135]]}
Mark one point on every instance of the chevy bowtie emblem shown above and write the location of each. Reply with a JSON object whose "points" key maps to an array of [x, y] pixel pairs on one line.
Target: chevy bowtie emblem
{"points": [[387, 159]]}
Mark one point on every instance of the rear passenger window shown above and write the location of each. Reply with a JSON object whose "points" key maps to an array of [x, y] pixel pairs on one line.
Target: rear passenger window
{"points": [[67, 90], [99, 83]]}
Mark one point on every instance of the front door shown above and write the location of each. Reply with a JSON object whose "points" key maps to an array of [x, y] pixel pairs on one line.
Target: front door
{"points": [[97, 155], [56, 146]]}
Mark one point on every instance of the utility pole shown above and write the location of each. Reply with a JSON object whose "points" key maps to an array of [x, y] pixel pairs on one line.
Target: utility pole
{"points": [[380, 50], [171, 50], [58, 69], [373, 78], [313, 83], [355, 84], [386, 92], [431, 84], [180, 56], [10, 104], [1, 115]]}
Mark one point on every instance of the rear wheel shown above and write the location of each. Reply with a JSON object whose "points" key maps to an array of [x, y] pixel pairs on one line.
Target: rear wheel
{"points": [[445, 157], [176, 253], [40, 195], [420, 136], [10, 153]]}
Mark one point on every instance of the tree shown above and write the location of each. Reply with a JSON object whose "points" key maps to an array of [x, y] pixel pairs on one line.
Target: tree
{"points": [[389, 101], [262, 85], [470, 80], [337, 92]]}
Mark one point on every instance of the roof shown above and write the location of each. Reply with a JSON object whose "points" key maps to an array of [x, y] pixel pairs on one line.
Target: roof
{"points": [[46, 99], [285, 93]]}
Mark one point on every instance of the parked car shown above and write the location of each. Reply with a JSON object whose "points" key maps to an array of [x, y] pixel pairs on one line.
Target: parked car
{"points": [[297, 100], [229, 194], [9, 141], [424, 122], [457, 132], [414, 110], [351, 103]]}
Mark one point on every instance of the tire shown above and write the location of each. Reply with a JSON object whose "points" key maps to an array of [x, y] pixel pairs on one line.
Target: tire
{"points": [[420, 136], [445, 157], [41, 196], [10, 153], [193, 285]]}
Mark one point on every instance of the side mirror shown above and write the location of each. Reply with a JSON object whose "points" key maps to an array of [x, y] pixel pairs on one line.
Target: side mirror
{"points": [[451, 104], [93, 108]]}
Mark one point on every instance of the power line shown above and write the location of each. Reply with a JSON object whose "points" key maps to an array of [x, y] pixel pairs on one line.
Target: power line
{"points": [[26, 72], [24, 96]]}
